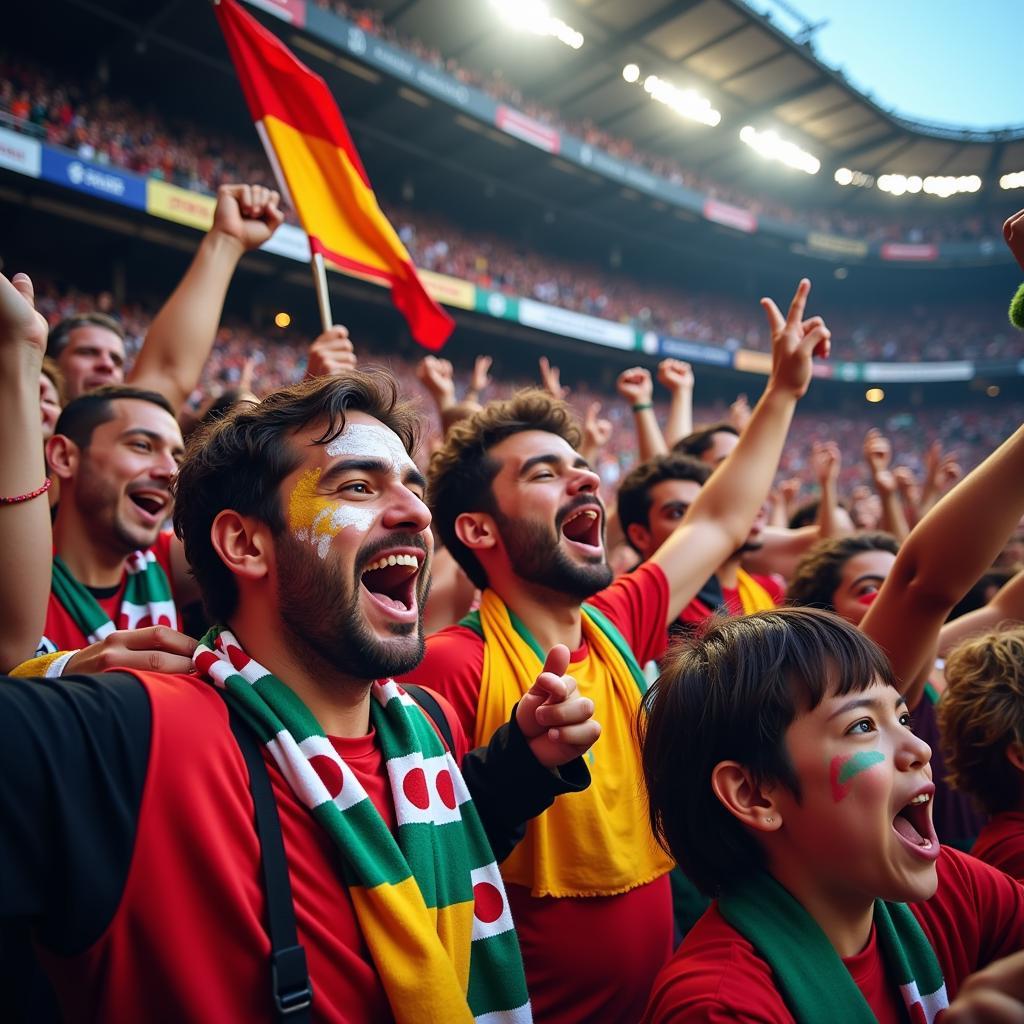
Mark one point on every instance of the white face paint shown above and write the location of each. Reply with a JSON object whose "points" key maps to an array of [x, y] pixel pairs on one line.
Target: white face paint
{"points": [[372, 441], [329, 521]]}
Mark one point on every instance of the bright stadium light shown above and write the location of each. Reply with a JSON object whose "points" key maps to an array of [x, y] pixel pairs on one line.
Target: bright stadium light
{"points": [[631, 73], [846, 176], [770, 146], [943, 186], [1015, 179], [535, 16], [282, 320], [874, 394], [686, 102]]}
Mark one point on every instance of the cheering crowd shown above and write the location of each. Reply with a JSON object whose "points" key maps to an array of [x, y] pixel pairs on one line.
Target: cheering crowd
{"points": [[464, 729]]}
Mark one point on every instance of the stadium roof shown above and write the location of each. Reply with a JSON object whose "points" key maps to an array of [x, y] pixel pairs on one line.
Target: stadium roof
{"points": [[751, 70]]}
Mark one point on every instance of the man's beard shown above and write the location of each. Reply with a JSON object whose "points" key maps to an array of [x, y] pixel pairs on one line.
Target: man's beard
{"points": [[99, 504], [321, 615], [537, 556], [750, 544]]}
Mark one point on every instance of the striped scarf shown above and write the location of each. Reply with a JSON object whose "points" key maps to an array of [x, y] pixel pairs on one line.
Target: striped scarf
{"points": [[811, 978], [429, 902], [594, 843], [147, 598]]}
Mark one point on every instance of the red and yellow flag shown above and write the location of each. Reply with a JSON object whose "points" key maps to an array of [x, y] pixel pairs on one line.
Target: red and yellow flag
{"points": [[320, 172]]}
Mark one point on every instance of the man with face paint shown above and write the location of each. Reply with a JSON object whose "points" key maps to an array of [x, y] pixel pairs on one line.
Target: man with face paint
{"points": [[783, 773], [519, 510], [304, 523]]}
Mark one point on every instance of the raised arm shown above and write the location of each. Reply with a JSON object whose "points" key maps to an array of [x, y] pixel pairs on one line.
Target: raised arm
{"points": [[677, 376], [180, 338], [25, 537], [944, 555], [878, 456], [637, 388], [827, 463], [596, 434], [719, 520], [1006, 606]]}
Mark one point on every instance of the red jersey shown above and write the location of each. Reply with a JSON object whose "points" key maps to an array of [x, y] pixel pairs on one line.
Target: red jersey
{"points": [[586, 958], [1001, 843], [976, 916], [699, 611], [62, 634]]}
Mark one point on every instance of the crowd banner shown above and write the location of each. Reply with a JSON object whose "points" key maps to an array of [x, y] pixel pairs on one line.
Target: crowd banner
{"points": [[93, 179], [837, 245], [907, 251], [20, 153], [730, 216], [914, 373]]}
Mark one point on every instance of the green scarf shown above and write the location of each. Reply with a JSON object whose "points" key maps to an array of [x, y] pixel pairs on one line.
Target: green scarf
{"points": [[430, 902], [812, 979], [147, 598]]}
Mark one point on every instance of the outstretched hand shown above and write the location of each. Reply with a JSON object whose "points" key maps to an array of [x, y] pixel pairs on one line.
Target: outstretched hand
{"points": [[249, 214], [1013, 233], [556, 720], [551, 379], [794, 342]]}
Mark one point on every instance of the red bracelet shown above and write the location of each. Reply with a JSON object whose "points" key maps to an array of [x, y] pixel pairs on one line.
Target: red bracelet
{"points": [[27, 497]]}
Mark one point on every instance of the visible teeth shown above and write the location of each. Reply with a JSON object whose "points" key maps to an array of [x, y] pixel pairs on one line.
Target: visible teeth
{"points": [[588, 512], [921, 798], [387, 560]]}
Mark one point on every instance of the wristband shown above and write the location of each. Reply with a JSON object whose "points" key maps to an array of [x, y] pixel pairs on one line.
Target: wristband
{"points": [[17, 499], [640, 406]]}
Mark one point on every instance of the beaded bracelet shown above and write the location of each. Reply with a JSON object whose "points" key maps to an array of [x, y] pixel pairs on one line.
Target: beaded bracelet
{"points": [[19, 498], [640, 406]]}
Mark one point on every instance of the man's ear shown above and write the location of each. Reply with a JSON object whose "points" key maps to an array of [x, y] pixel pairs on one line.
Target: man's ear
{"points": [[750, 802], [244, 544], [640, 537], [1015, 755], [476, 530], [62, 456]]}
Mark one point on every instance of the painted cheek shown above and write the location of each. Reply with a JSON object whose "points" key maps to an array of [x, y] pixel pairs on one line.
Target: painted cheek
{"points": [[867, 599], [844, 768], [317, 520]]}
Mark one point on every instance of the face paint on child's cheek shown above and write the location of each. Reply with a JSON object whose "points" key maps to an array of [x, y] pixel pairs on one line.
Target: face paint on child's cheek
{"points": [[318, 520], [845, 767]]}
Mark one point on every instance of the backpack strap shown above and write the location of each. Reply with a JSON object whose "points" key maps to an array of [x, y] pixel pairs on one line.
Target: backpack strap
{"points": [[430, 707], [292, 989]]}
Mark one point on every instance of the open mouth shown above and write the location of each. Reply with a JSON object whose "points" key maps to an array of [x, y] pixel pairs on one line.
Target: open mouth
{"points": [[153, 505], [391, 581], [584, 527], [913, 824]]}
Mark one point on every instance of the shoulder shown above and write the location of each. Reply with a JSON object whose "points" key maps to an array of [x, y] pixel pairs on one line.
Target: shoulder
{"points": [[632, 591], [715, 976], [456, 650], [162, 549], [1001, 843], [441, 715]]}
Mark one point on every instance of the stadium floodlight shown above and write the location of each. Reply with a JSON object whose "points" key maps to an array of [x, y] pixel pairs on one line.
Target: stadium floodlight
{"points": [[535, 16], [942, 186], [1015, 179], [282, 320], [686, 102], [900, 184], [772, 147], [846, 176], [631, 73], [874, 394]]}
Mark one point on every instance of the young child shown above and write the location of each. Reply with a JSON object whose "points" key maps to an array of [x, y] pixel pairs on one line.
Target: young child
{"points": [[982, 721], [783, 775]]}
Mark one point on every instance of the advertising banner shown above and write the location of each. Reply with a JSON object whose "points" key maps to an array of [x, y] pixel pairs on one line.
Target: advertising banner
{"points": [[913, 373], [694, 352], [749, 361], [837, 245], [20, 153], [576, 325], [452, 291], [288, 241], [907, 251], [94, 179], [731, 216], [512, 122], [180, 205], [497, 304], [292, 11]]}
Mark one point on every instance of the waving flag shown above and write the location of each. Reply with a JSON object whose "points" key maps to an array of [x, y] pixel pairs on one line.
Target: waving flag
{"points": [[320, 172]]}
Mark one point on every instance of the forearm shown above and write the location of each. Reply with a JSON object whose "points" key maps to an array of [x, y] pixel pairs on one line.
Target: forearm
{"points": [[827, 504], [1006, 606], [894, 518], [680, 416], [180, 338], [25, 534], [650, 441]]}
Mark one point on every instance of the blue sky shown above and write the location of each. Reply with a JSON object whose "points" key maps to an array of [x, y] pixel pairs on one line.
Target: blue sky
{"points": [[957, 62]]}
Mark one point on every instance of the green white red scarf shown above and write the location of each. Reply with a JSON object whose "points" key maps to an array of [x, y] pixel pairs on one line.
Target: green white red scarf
{"points": [[811, 978], [147, 598], [430, 901]]}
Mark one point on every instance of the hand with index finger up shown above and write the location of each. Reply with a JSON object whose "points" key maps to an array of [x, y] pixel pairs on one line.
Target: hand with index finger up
{"points": [[794, 343]]}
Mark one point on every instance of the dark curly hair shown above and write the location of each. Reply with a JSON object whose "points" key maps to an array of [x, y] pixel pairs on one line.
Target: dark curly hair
{"points": [[818, 574]]}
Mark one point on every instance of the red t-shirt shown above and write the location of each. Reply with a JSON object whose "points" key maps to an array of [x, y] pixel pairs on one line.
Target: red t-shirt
{"points": [[1001, 843], [976, 916], [697, 612], [62, 634], [195, 871], [594, 958]]}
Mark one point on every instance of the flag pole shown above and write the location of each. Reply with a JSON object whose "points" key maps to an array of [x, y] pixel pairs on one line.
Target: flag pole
{"points": [[323, 298]]}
